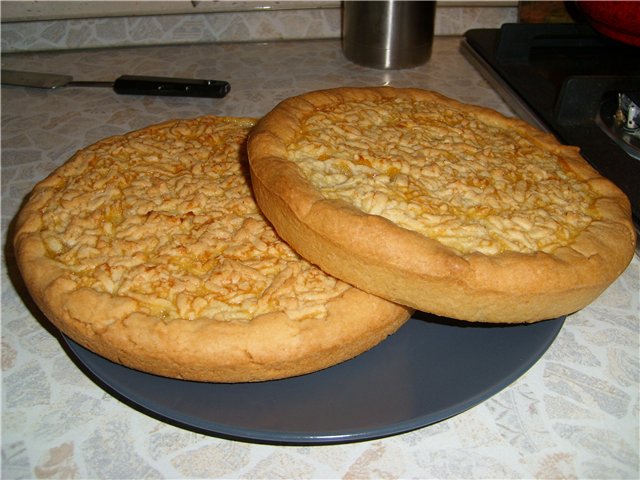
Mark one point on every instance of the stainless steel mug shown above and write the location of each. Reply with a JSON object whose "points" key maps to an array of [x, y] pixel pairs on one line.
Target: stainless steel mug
{"points": [[388, 34]]}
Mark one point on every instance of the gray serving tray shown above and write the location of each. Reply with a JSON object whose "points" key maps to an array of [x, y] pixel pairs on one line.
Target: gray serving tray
{"points": [[431, 369]]}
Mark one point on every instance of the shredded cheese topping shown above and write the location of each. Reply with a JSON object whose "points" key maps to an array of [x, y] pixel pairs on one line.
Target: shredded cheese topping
{"points": [[444, 173], [166, 217]]}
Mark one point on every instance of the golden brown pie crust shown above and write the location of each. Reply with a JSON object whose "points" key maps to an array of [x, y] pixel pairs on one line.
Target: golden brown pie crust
{"points": [[149, 250], [446, 207]]}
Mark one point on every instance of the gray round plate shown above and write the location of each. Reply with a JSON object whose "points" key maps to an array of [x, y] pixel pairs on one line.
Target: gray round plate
{"points": [[429, 370]]}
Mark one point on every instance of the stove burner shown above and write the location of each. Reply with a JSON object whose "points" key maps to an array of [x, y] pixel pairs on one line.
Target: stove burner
{"points": [[619, 118], [629, 112]]}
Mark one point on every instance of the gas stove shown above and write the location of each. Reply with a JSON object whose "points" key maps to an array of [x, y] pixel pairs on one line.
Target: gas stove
{"points": [[571, 81]]}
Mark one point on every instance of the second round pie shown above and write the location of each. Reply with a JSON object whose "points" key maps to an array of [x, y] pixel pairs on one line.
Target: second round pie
{"points": [[446, 207]]}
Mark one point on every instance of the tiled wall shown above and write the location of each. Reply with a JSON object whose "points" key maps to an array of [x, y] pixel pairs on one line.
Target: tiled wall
{"points": [[42, 28]]}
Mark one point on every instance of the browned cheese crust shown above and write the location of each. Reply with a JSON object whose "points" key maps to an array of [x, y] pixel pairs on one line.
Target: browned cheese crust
{"points": [[446, 207], [149, 249]]}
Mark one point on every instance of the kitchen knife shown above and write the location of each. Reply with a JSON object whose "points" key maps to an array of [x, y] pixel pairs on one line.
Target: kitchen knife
{"points": [[124, 85]]}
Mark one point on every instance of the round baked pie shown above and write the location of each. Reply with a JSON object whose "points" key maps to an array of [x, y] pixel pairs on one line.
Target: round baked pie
{"points": [[148, 249], [446, 207]]}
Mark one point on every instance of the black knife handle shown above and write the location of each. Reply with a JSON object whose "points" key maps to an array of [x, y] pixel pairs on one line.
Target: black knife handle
{"points": [[168, 86]]}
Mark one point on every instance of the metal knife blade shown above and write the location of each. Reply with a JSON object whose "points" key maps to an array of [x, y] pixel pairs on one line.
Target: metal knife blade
{"points": [[124, 85]]}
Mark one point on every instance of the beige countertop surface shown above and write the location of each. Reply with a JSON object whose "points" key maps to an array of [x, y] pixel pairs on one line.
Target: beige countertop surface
{"points": [[574, 414]]}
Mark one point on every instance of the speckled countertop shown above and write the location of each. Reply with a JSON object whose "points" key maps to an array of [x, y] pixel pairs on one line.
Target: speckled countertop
{"points": [[574, 414]]}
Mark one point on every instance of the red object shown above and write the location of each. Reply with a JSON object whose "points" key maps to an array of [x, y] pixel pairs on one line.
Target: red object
{"points": [[619, 20]]}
